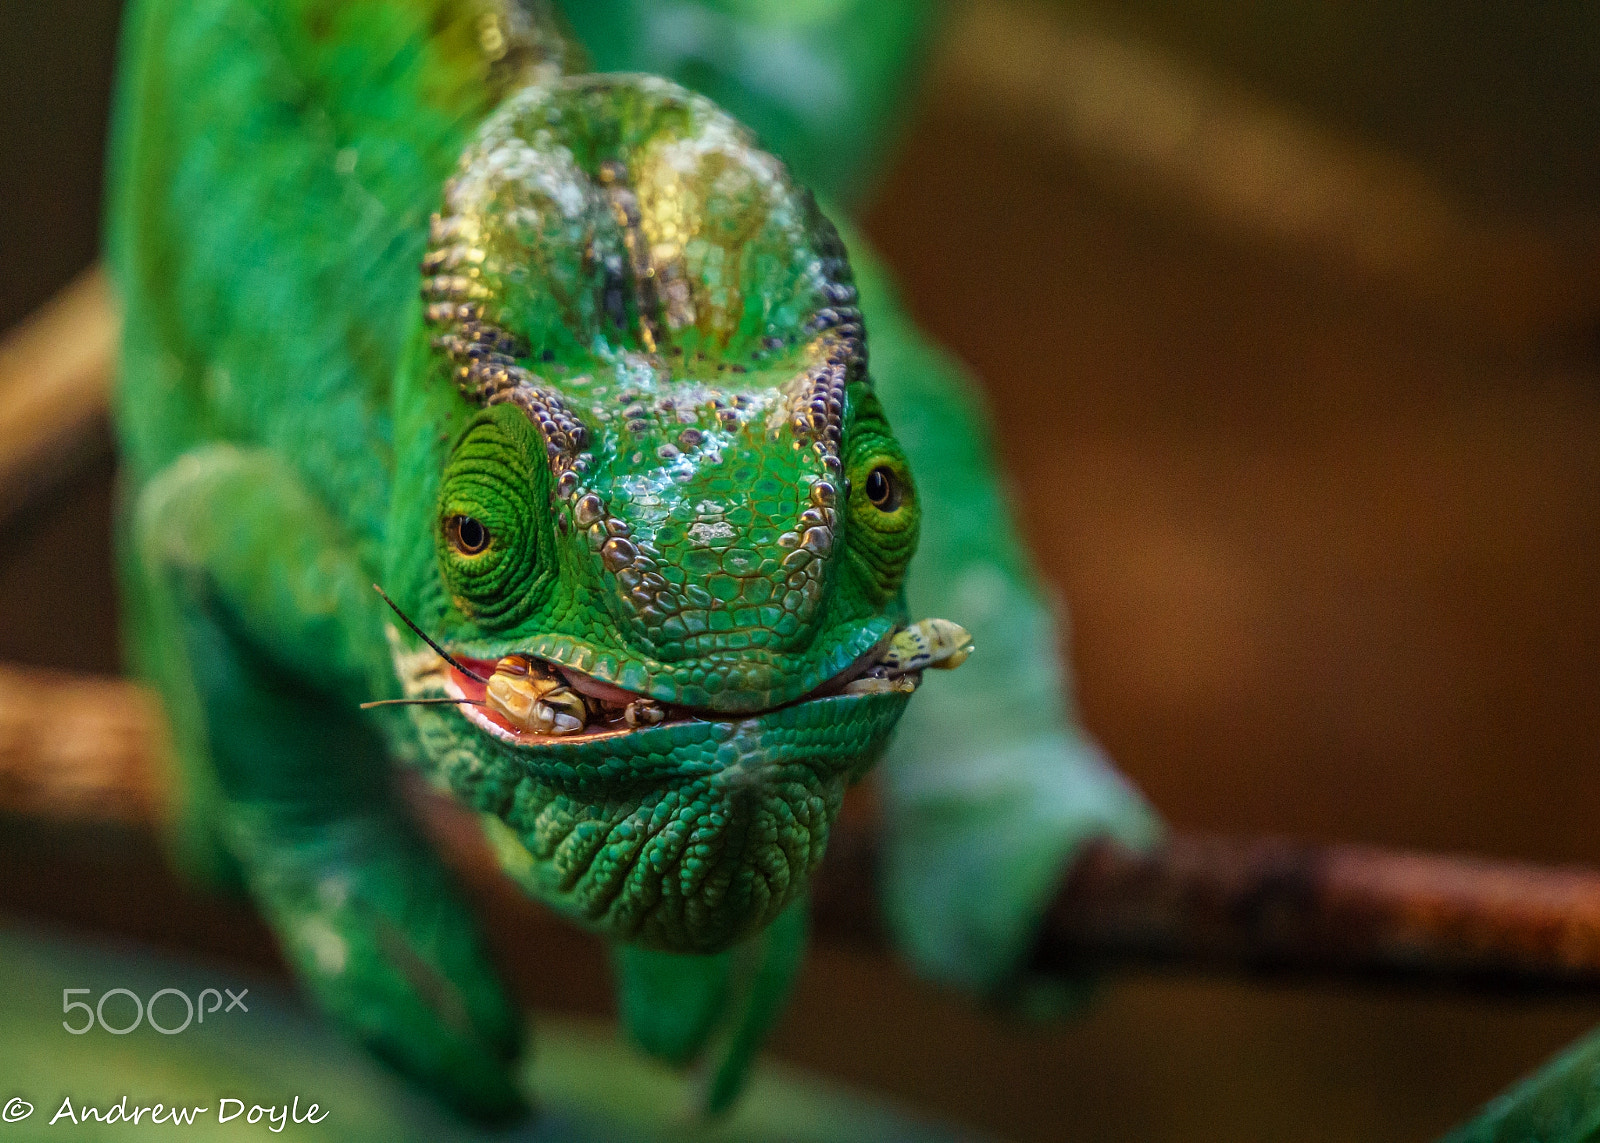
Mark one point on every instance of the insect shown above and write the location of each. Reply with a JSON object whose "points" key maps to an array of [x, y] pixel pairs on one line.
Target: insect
{"points": [[929, 643]]}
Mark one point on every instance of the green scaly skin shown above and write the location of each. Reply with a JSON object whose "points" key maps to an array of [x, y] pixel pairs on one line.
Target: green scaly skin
{"points": [[639, 361]]}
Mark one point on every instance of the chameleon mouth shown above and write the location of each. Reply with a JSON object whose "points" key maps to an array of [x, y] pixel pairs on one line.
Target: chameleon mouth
{"points": [[529, 702]]}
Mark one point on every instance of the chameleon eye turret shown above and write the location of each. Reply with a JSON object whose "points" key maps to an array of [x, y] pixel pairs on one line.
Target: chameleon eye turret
{"points": [[467, 535], [883, 489]]}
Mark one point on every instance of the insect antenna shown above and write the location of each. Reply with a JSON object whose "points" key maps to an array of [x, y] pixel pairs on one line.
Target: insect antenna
{"points": [[421, 702], [423, 635]]}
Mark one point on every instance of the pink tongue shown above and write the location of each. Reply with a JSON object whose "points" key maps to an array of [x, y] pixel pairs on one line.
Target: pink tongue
{"points": [[471, 688], [595, 689]]}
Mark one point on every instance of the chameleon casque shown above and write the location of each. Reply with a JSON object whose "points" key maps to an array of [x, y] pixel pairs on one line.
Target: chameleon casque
{"points": [[580, 376]]}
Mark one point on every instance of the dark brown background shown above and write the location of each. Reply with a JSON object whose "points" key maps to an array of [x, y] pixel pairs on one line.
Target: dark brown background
{"points": [[1327, 534]]}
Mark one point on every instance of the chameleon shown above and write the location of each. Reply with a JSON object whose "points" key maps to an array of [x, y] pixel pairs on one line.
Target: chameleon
{"points": [[577, 375]]}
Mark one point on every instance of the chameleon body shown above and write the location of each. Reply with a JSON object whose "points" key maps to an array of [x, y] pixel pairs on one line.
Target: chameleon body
{"points": [[618, 448]]}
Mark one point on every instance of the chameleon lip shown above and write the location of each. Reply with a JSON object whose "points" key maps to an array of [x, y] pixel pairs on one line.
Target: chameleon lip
{"points": [[609, 700]]}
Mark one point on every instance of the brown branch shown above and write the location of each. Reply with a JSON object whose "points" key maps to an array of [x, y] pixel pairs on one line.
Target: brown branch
{"points": [[55, 390], [92, 750], [79, 748], [1253, 904]]}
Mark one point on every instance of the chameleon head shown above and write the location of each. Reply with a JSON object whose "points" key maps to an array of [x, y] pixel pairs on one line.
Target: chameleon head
{"points": [[647, 499]]}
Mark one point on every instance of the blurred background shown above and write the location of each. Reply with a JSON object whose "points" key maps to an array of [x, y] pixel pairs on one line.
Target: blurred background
{"points": [[1288, 312]]}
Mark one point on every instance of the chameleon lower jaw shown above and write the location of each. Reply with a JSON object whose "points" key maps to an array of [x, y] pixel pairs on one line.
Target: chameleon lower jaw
{"points": [[687, 835]]}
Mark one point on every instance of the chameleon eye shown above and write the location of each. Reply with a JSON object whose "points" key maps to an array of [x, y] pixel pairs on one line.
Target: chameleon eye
{"points": [[882, 489], [466, 535]]}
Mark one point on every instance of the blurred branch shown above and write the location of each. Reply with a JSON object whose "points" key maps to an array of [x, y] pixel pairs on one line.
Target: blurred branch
{"points": [[78, 748], [1264, 904], [91, 750], [55, 390], [1166, 129]]}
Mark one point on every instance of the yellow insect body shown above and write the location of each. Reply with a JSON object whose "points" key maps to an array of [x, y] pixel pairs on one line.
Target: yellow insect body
{"points": [[936, 644], [534, 703]]}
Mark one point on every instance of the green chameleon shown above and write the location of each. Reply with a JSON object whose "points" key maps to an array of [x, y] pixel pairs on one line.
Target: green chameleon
{"points": [[578, 376]]}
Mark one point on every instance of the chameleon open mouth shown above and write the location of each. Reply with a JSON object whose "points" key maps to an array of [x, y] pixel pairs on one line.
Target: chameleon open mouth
{"points": [[526, 701]]}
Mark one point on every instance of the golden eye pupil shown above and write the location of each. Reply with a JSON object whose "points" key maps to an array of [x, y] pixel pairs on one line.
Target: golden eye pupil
{"points": [[882, 489], [467, 536]]}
